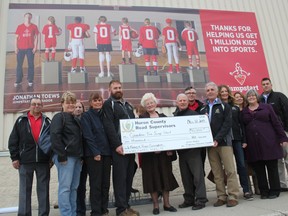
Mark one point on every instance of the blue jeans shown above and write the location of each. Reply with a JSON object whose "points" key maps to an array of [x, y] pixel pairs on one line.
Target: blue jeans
{"points": [[20, 59], [68, 179], [240, 163]]}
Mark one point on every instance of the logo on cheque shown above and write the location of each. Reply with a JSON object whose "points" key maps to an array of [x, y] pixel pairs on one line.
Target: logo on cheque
{"points": [[239, 74], [128, 126]]}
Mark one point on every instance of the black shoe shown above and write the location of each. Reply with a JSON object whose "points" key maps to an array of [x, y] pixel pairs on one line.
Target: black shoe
{"points": [[133, 190], [263, 197], [185, 205], [155, 72], [156, 211], [198, 206], [148, 73], [170, 209], [272, 196]]}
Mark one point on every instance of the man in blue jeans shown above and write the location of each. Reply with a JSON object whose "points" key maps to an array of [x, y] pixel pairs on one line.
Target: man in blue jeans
{"points": [[26, 40], [28, 158]]}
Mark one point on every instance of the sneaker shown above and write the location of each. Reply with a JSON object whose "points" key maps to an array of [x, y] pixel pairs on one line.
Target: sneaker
{"points": [[30, 84], [123, 62], [232, 203], [155, 72], [190, 67], [132, 211], [198, 67], [16, 84], [248, 196], [109, 74], [101, 74], [73, 70], [170, 71], [130, 61], [82, 69], [148, 73], [219, 203]]}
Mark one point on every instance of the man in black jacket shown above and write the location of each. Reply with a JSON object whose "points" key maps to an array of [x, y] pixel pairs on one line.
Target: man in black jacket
{"points": [[28, 158], [116, 108], [279, 103], [220, 117], [195, 105], [190, 162]]}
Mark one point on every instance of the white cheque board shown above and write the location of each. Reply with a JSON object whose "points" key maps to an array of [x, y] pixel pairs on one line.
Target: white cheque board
{"points": [[167, 133]]}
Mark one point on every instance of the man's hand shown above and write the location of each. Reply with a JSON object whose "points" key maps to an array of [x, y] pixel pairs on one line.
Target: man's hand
{"points": [[215, 143], [244, 145], [119, 150], [16, 51], [34, 50], [97, 158], [16, 164]]}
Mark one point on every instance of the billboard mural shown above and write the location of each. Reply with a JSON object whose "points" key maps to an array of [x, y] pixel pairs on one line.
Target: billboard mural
{"points": [[55, 48]]}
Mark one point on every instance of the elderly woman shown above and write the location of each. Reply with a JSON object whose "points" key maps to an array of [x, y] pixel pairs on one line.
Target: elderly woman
{"points": [[157, 166], [66, 139], [238, 140], [265, 135], [97, 155]]}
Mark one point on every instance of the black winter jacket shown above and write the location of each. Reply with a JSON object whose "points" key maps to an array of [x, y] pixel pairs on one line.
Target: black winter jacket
{"points": [[185, 112], [114, 111], [66, 136], [22, 145], [221, 122], [279, 103], [96, 141], [237, 128]]}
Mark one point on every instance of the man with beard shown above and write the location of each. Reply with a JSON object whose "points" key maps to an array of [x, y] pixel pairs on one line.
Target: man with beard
{"points": [[116, 108], [190, 162]]}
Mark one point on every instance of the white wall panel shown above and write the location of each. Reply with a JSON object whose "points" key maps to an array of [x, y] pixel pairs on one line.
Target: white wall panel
{"points": [[272, 21]]}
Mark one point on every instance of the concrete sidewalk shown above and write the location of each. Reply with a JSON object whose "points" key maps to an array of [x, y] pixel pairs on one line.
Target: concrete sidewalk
{"points": [[257, 207]]}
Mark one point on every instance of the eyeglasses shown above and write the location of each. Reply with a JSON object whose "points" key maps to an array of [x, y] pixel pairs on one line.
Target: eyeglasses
{"points": [[36, 104]]}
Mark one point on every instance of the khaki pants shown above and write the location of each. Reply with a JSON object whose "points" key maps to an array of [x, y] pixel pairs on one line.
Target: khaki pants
{"points": [[220, 157]]}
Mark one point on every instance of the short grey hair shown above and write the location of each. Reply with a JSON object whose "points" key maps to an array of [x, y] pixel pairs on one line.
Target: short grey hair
{"points": [[211, 84], [180, 95], [252, 92], [146, 97]]}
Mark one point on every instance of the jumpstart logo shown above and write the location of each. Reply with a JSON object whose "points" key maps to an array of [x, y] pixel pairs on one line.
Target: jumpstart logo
{"points": [[239, 74]]}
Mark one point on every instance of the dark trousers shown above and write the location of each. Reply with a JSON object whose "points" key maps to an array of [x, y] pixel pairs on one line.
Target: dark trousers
{"points": [[99, 180], [273, 177], [192, 175], [20, 59], [26, 173], [123, 172], [81, 191], [240, 164]]}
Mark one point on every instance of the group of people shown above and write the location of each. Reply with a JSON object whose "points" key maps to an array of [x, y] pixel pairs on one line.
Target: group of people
{"points": [[26, 44], [248, 128]]}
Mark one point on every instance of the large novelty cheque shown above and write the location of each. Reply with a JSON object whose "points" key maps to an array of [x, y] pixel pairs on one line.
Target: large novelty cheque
{"points": [[160, 134]]}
